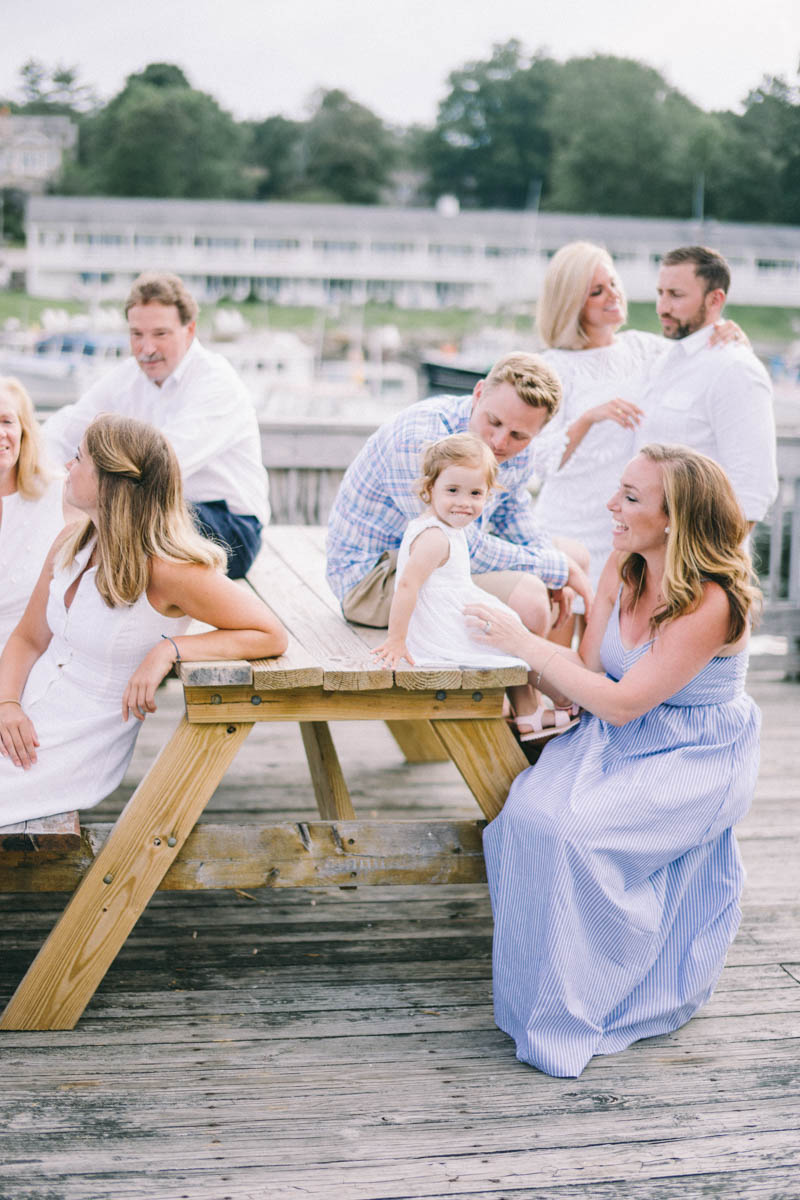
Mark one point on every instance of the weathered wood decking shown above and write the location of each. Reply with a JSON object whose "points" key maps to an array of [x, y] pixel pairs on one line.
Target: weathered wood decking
{"points": [[339, 1045]]}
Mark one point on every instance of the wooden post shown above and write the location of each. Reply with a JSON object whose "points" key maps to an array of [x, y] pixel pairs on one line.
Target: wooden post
{"points": [[418, 741], [116, 889], [487, 755], [330, 789]]}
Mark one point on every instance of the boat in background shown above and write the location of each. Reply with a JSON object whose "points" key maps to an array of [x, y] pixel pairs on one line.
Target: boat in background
{"points": [[282, 372]]}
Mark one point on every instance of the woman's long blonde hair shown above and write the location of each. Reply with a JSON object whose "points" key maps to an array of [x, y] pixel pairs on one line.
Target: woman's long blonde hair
{"points": [[707, 530], [33, 472], [141, 512], [565, 291]]}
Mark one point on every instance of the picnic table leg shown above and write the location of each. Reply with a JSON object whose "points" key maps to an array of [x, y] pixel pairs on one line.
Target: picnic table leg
{"points": [[488, 756], [330, 789], [418, 741], [116, 889]]}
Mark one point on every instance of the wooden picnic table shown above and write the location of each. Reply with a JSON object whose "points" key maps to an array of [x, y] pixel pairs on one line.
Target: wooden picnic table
{"points": [[327, 674]]}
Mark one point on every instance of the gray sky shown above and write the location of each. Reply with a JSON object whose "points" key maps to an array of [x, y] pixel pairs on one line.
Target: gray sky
{"points": [[260, 57]]}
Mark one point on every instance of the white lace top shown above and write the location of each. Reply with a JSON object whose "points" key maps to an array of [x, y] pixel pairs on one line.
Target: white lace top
{"points": [[572, 498]]}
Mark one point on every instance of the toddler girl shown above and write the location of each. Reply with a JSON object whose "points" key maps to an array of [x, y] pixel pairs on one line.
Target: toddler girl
{"points": [[427, 623]]}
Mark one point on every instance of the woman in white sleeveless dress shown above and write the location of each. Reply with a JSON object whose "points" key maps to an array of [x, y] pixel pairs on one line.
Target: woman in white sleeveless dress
{"points": [[107, 620], [31, 508], [604, 373]]}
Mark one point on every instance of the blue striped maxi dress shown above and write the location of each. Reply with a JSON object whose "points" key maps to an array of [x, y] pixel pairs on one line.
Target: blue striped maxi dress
{"points": [[614, 872]]}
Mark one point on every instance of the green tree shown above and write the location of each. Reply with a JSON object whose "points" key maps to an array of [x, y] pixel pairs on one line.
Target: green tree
{"points": [[276, 154], [346, 151], [491, 145], [53, 91], [621, 139], [753, 161], [160, 137]]}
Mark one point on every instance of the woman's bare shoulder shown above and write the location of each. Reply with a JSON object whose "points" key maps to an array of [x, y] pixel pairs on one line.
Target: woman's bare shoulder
{"points": [[609, 583]]}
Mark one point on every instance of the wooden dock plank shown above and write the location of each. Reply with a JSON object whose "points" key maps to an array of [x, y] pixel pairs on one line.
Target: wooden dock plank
{"points": [[339, 1045]]}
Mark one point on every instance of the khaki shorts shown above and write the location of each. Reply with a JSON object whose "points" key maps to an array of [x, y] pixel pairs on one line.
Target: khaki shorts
{"points": [[369, 602]]}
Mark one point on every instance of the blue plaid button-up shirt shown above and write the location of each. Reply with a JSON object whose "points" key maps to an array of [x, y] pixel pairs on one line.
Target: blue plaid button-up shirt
{"points": [[377, 499]]}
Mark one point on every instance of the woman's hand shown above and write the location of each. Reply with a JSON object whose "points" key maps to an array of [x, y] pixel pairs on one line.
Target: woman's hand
{"points": [[392, 651], [724, 332], [624, 412], [139, 695], [562, 599], [495, 627], [18, 740]]}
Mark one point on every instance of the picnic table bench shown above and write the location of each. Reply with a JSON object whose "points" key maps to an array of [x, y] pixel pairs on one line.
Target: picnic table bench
{"points": [[327, 674]]}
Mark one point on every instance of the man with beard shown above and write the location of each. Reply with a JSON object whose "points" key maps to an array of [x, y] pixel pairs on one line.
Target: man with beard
{"points": [[198, 401], [720, 403]]}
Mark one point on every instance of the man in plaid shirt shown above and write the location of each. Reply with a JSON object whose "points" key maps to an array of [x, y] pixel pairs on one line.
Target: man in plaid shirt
{"points": [[510, 556]]}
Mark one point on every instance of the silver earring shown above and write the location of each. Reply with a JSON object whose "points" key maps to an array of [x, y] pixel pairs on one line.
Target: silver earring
{"points": [[666, 531]]}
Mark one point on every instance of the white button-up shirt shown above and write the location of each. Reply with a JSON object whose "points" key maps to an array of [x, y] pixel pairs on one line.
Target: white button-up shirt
{"points": [[205, 411], [717, 400]]}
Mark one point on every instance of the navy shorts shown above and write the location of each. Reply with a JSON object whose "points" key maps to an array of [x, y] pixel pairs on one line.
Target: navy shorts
{"points": [[240, 536]]}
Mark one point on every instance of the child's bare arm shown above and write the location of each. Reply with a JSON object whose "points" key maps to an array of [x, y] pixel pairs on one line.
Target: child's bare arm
{"points": [[428, 551]]}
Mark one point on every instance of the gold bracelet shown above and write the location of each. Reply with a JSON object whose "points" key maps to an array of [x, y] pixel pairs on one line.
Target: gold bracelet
{"points": [[10, 700], [541, 673]]}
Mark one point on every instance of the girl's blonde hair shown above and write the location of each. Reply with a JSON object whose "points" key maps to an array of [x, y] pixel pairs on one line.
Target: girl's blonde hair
{"points": [[141, 512], [459, 449], [565, 291], [33, 473], [706, 532]]}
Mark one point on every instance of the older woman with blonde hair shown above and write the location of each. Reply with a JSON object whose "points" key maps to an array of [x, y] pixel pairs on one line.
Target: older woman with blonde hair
{"points": [[613, 868], [107, 620], [31, 510], [604, 372]]}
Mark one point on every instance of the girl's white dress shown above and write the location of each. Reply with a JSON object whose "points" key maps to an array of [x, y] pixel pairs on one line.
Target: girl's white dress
{"points": [[438, 630], [73, 696], [27, 531], [572, 499]]}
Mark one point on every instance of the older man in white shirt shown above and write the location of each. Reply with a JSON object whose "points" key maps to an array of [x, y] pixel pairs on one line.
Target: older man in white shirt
{"points": [[720, 403], [198, 401]]}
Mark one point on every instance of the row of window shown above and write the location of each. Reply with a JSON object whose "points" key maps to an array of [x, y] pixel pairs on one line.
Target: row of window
{"points": [[271, 287], [442, 250], [49, 237]]}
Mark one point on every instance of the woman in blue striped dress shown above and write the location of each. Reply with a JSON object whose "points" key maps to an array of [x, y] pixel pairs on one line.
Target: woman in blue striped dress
{"points": [[613, 868]]}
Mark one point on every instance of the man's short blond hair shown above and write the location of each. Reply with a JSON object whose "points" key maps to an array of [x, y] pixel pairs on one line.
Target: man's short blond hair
{"points": [[159, 287], [532, 379]]}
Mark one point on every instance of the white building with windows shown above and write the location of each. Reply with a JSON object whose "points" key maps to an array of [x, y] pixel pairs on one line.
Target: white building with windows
{"points": [[32, 149], [320, 254]]}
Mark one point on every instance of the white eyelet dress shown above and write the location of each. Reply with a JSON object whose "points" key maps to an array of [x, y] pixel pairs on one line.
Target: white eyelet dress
{"points": [[572, 500], [73, 696], [438, 630]]}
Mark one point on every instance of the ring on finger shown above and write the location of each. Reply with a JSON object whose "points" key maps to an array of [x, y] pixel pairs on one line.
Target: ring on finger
{"points": [[487, 627]]}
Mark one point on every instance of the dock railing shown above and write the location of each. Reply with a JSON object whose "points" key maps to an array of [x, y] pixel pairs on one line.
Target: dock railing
{"points": [[306, 460], [776, 554]]}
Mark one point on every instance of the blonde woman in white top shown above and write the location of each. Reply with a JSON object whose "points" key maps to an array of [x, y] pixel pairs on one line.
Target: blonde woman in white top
{"points": [[604, 373], [31, 509]]}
